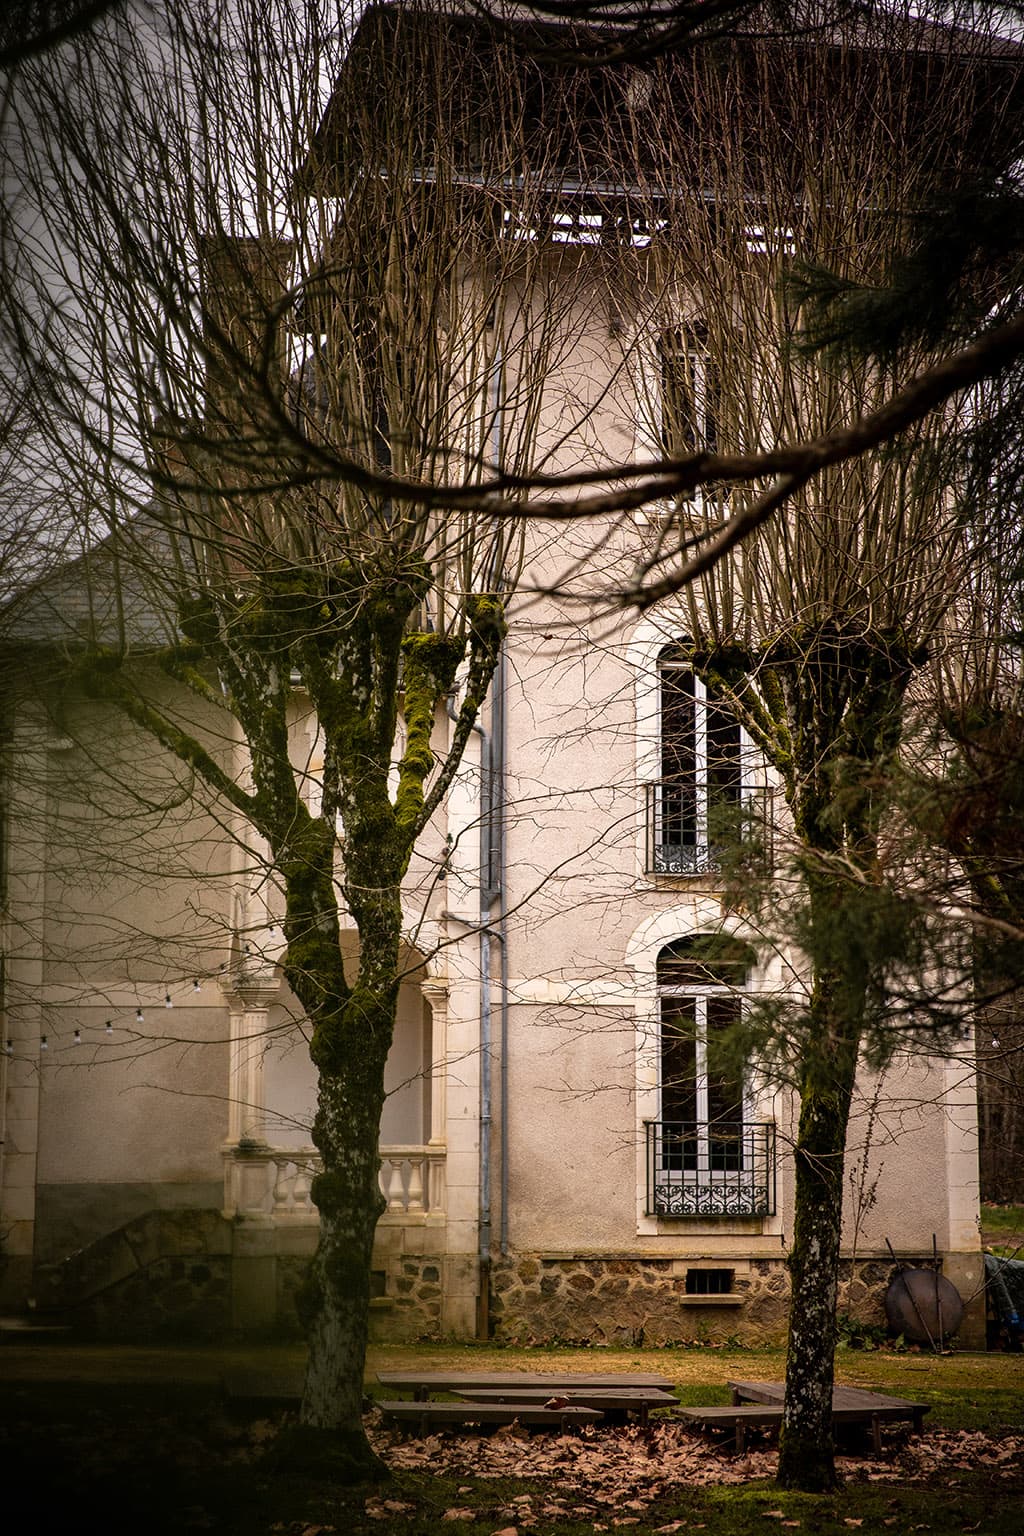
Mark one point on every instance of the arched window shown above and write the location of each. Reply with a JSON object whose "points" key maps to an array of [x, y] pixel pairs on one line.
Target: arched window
{"points": [[703, 772], [706, 1154]]}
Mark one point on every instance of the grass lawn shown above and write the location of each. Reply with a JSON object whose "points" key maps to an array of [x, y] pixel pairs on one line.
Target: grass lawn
{"points": [[113, 1440], [1002, 1230], [966, 1391]]}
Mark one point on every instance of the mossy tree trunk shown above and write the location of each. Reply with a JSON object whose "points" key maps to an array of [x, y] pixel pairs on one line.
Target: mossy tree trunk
{"points": [[825, 704], [345, 634], [828, 1071]]}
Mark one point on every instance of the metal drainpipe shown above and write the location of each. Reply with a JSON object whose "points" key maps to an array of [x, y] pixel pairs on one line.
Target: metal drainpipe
{"points": [[499, 811], [496, 816], [486, 901], [486, 898], [492, 888]]}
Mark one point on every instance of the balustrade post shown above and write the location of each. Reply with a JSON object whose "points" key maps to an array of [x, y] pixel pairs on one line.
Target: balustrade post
{"points": [[396, 1188], [415, 1200]]}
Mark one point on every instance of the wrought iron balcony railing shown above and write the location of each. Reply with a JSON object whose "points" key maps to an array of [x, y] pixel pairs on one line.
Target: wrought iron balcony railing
{"points": [[686, 831], [710, 1168]]}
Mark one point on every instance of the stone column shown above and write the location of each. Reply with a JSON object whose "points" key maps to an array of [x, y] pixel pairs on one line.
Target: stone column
{"points": [[436, 995], [249, 1002]]}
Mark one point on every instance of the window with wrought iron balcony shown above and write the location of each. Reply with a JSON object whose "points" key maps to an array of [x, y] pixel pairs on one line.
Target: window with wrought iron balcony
{"points": [[707, 1154], [705, 796]]}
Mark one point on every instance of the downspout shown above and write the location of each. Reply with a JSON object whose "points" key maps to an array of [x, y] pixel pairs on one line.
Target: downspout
{"points": [[487, 895], [502, 931], [498, 828], [492, 889], [483, 1320]]}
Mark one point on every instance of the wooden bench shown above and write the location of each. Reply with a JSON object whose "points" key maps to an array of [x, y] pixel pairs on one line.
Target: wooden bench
{"points": [[423, 1384], [425, 1416], [734, 1416], [614, 1402], [850, 1405]]}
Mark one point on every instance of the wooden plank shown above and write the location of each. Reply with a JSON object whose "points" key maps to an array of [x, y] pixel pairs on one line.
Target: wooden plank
{"points": [[598, 1397], [842, 1397], [731, 1415], [427, 1414], [615, 1402], [850, 1405], [455, 1381]]}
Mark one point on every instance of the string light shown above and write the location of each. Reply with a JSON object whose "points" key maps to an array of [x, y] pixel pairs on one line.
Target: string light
{"points": [[167, 1000], [9, 1047], [78, 1037], [139, 1018], [195, 984], [44, 1044], [109, 1026]]}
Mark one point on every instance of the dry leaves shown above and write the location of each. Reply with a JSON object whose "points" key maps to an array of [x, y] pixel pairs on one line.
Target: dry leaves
{"points": [[606, 1474]]}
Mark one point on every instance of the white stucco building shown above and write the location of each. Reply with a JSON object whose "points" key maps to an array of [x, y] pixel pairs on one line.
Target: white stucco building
{"points": [[560, 1159]]}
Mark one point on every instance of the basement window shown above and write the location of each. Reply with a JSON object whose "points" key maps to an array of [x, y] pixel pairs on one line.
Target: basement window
{"points": [[709, 1282]]}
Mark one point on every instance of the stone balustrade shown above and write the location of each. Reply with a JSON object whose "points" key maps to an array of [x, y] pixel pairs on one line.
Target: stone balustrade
{"points": [[262, 1181]]}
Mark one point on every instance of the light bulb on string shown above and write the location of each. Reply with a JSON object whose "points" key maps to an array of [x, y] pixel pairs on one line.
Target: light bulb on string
{"points": [[195, 984], [9, 1047], [139, 1017], [109, 1027], [44, 1044], [167, 1000], [78, 1037]]}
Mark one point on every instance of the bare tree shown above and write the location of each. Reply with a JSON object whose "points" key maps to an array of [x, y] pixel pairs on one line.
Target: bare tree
{"points": [[251, 327], [813, 632], [295, 327]]}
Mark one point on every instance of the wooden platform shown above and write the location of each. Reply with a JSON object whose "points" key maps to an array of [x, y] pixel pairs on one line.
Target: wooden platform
{"points": [[614, 1402], [424, 1416], [760, 1403], [424, 1384], [735, 1416]]}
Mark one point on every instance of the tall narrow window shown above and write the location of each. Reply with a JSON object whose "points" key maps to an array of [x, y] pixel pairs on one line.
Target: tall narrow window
{"points": [[702, 772], [690, 391], [706, 1155]]}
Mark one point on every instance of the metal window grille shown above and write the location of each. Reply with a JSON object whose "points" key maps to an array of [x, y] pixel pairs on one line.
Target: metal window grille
{"points": [[674, 844], [710, 1168]]}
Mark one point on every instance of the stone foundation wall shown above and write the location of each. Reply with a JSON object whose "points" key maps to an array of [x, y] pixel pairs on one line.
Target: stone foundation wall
{"points": [[410, 1301], [165, 1275], [637, 1301], [192, 1274]]}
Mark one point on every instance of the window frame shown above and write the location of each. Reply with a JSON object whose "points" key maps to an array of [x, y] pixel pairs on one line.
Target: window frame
{"points": [[702, 1160], [696, 854]]}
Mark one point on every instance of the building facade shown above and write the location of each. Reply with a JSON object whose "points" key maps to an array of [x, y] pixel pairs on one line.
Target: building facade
{"points": [[566, 1153]]}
